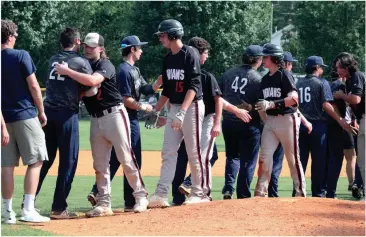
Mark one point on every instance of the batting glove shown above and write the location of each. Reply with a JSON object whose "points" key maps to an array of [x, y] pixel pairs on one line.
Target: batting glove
{"points": [[152, 119], [264, 105], [178, 120]]}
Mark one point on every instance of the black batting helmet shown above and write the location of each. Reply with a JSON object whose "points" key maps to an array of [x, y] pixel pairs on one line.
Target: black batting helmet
{"points": [[172, 27], [272, 50]]}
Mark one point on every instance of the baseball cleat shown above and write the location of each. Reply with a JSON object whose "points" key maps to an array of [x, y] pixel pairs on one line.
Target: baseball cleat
{"points": [[158, 202], [185, 189], [141, 205], [196, 200], [92, 198], [99, 211], [33, 216], [128, 209], [356, 192], [61, 215], [9, 217], [228, 195]]}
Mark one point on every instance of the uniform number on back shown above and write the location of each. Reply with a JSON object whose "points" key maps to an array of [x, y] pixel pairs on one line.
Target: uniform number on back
{"points": [[235, 86], [53, 74], [305, 94]]}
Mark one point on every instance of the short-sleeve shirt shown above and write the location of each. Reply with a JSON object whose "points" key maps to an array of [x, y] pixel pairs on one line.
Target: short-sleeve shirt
{"points": [[210, 90], [337, 85], [108, 95], [63, 93], [181, 72], [313, 92], [240, 83], [16, 100], [276, 87], [131, 84], [356, 86]]}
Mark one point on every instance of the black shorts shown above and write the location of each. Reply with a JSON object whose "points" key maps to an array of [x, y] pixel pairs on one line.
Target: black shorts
{"points": [[348, 141]]}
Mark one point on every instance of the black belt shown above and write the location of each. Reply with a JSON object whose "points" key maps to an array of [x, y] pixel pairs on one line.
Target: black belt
{"points": [[105, 112]]}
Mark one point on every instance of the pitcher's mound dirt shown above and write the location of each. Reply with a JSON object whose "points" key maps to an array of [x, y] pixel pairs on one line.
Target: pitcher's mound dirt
{"points": [[255, 216]]}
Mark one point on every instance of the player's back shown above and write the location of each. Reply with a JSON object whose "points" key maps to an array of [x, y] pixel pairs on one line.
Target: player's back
{"points": [[311, 97], [237, 84], [63, 93]]}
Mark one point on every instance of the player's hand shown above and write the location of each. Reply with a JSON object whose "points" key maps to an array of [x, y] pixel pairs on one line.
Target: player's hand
{"points": [[355, 126], [309, 126], [146, 107], [216, 130], [245, 105], [92, 91], [338, 94], [43, 119], [243, 115], [62, 69], [4, 137], [264, 105], [152, 119], [346, 126], [178, 119], [161, 121]]}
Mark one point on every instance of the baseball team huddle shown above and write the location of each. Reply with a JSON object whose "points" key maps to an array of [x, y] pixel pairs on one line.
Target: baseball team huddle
{"points": [[263, 117]]}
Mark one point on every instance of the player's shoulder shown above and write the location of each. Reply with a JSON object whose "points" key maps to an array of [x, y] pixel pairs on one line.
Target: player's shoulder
{"points": [[207, 74], [105, 63], [232, 71], [287, 74], [358, 76]]}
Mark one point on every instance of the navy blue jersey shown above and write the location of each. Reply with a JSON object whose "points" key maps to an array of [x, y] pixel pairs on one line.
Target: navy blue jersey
{"points": [[210, 89], [182, 72], [240, 84], [312, 94], [131, 84], [16, 99], [277, 86], [356, 86], [108, 95], [63, 93]]}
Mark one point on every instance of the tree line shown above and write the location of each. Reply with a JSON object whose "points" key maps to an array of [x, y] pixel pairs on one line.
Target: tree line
{"points": [[321, 28]]}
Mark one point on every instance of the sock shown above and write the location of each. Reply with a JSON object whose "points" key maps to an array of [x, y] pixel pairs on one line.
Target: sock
{"points": [[8, 204], [29, 202]]}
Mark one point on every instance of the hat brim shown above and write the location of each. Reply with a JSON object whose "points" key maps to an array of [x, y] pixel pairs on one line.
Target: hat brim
{"points": [[90, 44], [323, 65], [294, 60]]}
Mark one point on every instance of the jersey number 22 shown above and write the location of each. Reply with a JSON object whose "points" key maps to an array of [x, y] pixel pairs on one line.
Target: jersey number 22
{"points": [[235, 86], [53, 74]]}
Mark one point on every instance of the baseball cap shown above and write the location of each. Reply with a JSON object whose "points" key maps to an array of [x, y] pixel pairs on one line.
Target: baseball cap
{"points": [[132, 40], [315, 60], [287, 56], [94, 40], [254, 50]]}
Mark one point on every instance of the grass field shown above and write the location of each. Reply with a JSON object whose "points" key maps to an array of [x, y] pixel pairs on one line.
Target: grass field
{"points": [[151, 141]]}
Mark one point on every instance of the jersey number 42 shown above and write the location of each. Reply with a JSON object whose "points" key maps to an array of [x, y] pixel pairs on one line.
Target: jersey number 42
{"points": [[53, 74], [235, 85]]}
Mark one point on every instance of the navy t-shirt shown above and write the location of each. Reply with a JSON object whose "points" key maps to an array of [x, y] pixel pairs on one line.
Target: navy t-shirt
{"points": [[313, 92], [63, 93], [131, 84], [277, 86], [210, 89], [16, 100]]}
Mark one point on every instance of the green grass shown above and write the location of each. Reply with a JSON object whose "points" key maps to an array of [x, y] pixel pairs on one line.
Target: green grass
{"points": [[152, 139], [82, 186]]}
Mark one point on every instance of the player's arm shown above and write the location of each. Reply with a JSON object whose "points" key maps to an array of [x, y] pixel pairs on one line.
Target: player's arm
{"points": [[148, 89], [305, 122], [240, 113], [357, 81], [332, 111], [131, 103], [36, 93], [84, 79], [4, 132]]}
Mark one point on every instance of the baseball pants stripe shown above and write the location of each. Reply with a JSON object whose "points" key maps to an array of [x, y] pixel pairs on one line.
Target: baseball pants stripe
{"points": [[198, 138], [296, 152]]}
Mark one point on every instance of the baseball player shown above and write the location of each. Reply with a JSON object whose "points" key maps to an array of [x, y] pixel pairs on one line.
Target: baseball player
{"points": [[315, 103], [289, 60], [109, 126], [22, 119], [62, 130], [182, 87], [131, 85], [240, 85], [282, 121], [354, 95]]}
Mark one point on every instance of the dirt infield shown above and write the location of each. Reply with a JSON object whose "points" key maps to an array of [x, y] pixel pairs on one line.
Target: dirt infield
{"points": [[151, 165], [256, 216]]}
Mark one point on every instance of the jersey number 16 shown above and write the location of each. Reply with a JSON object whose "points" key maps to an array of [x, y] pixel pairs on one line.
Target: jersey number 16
{"points": [[235, 86], [305, 95]]}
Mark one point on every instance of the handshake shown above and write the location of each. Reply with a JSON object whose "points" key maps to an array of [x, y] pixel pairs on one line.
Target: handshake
{"points": [[261, 105]]}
